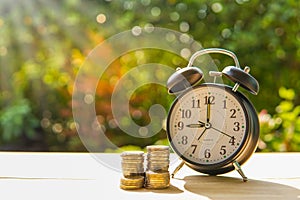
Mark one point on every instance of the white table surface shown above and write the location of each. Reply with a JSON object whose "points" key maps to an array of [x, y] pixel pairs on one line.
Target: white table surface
{"points": [[88, 176]]}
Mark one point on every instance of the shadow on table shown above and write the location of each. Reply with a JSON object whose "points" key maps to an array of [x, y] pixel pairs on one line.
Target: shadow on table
{"points": [[170, 190], [223, 188]]}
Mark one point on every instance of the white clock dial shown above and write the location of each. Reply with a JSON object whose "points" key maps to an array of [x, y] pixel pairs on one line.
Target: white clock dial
{"points": [[207, 125]]}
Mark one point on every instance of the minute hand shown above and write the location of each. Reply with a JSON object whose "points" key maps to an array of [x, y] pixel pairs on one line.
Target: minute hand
{"points": [[221, 132], [208, 113]]}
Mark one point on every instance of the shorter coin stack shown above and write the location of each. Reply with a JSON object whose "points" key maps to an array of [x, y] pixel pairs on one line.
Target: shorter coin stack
{"points": [[133, 170], [157, 174], [132, 183]]}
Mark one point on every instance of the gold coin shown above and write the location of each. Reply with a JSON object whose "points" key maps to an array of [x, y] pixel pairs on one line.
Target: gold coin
{"points": [[130, 187], [130, 174], [157, 186], [156, 174], [157, 180], [132, 182]]}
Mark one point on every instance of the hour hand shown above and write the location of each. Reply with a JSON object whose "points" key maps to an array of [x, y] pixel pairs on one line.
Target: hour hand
{"points": [[195, 125], [202, 123]]}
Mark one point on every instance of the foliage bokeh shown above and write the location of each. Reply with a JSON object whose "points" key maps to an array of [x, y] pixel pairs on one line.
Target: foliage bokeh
{"points": [[281, 131], [44, 43]]}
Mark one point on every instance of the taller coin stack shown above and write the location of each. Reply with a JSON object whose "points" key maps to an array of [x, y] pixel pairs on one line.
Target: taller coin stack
{"points": [[133, 170], [157, 174]]}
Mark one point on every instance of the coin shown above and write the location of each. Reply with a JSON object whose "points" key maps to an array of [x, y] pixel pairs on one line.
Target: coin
{"points": [[154, 180], [157, 148], [134, 182], [133, 170], [132, 154], [157, 175], [158, 158], [132, 163]]}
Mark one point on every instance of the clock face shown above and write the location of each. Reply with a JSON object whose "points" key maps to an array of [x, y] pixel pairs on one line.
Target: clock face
{"points": [[207, 125]]}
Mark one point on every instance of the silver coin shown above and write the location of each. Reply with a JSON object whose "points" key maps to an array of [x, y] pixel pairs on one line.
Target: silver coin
{"points": [[157, 147]]}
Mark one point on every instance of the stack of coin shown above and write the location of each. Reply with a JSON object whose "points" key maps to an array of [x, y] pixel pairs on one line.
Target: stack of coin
{"points": [[157, 174], [133, 170], [131, 183], [158, 158], [157, 180]]}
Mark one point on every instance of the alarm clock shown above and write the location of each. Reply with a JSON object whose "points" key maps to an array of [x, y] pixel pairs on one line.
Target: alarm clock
{"points": [[212, 127]]}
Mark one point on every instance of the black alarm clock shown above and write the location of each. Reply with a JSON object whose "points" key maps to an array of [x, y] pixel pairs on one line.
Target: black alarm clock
{"points": [[212, 127]]}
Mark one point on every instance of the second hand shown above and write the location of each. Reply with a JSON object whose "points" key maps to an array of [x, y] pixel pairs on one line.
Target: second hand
{"points": [[222, 132]]}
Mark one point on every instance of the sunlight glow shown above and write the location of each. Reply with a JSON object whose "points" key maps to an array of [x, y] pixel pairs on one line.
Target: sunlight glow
{"points": [[101, 18]]}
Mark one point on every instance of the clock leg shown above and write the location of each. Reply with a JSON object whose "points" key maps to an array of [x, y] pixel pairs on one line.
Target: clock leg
{"points": [[177, 168], [239, 170]]}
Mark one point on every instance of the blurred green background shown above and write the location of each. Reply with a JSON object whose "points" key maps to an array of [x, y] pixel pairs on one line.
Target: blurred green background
{"points": [[43, 44]]}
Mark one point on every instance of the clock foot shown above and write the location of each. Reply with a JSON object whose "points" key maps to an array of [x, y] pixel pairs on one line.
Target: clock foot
{"points": [[177, 169], [239, 170]]}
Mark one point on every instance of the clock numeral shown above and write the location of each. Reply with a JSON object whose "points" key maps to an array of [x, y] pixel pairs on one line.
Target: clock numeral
{"points": [[209, 100], [207, 153], [180, 125], [194, 148], [232, 140], [236, 126], [223, 150], [196, 103], [184, 140], [224, 104], [233, 113], [186, 113]]}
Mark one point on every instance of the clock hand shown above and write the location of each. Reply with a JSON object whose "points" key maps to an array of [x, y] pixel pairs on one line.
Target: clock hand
{"points": [[201, 134], [208, 112], [195, 125], [202, 123], [222, 132]]}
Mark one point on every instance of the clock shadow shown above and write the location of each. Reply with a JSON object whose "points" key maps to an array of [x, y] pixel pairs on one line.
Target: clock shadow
{"points": [[227, 188]]}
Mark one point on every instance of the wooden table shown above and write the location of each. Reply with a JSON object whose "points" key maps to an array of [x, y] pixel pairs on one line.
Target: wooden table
{"points": [[86, 176]]}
